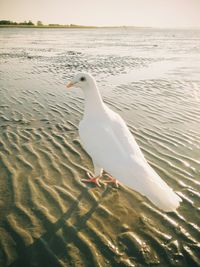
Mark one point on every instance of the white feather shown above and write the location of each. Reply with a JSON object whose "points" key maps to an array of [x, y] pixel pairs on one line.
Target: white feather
{"points": [[107, 139]]}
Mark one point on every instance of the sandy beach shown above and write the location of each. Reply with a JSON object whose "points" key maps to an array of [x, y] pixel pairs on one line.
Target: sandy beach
{"points": [[48, 217]]}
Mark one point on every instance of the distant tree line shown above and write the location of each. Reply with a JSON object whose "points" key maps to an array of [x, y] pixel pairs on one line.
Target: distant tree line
{"points": [[39, 24], [9, 22]]}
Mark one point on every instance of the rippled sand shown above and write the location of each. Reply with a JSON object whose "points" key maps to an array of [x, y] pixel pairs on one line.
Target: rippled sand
{"points": [[47, 216]]}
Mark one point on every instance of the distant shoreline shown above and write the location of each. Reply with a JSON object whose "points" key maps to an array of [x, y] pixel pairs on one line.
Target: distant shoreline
{"points": [[69, 27], [89, 27], [44, 26]]}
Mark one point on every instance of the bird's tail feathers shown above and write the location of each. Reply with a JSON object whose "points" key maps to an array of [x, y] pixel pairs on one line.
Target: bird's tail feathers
{"points": [[163, 197], [157, 191]]}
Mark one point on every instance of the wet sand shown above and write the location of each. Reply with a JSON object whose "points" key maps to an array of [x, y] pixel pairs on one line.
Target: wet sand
{"points": [[47, 216]]}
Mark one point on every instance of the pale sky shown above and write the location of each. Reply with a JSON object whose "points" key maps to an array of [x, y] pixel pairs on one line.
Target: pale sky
{"points": [[152, 13]]}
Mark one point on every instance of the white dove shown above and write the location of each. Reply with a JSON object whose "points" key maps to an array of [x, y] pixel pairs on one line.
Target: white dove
{"points": [[107, 139]]}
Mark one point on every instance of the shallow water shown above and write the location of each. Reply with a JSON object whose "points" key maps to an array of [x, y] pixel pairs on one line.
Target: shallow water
{"points": [[47, 216]]}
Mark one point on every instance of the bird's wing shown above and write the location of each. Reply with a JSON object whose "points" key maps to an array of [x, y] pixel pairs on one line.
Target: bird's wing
{"points": [[124, 136], [109, 137], [106, 142]]}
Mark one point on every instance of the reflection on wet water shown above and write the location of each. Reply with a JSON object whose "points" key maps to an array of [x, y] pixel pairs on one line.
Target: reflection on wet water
{"points": [[48, 217]]}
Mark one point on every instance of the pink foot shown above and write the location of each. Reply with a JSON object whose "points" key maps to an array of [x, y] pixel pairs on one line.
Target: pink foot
{"points": [[112, 180], [91, 179]]}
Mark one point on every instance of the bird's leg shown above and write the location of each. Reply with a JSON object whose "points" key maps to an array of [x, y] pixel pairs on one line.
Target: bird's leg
{"points": [[92, 179], [97, 175], [112, 180]]}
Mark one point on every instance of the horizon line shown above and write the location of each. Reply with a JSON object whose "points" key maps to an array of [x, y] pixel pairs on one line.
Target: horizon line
{"points": [[89, 26]]}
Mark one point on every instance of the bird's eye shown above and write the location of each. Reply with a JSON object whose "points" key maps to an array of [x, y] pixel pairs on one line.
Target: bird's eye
{"points": [[82, 79]]}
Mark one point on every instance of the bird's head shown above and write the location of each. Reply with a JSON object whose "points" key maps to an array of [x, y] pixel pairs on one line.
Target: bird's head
{"points": [[82, 80]]}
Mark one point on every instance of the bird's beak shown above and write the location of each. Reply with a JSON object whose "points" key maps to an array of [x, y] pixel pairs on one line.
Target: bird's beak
{"points": [[70, 84]]}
